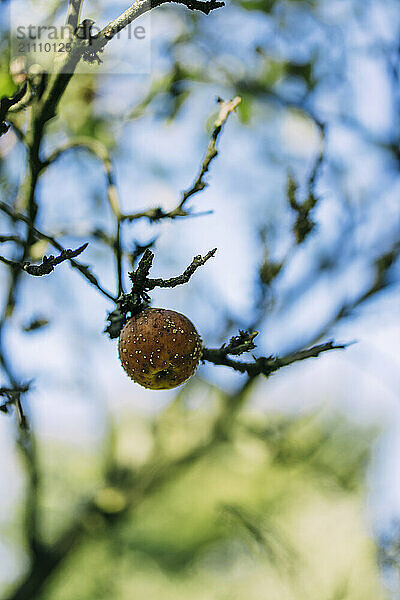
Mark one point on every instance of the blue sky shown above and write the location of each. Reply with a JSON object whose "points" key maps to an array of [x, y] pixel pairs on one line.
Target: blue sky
{"points": [[78, 380]]}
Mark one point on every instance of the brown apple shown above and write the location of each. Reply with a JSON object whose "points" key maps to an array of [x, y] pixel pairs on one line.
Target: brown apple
{"points": [[159, 348]]}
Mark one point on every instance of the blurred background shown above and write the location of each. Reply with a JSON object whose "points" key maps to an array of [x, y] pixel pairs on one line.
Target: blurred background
{"points": [[288, 488]]}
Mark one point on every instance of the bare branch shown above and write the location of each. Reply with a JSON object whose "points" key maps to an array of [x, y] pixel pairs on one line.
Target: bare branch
{"points": [[12, 397], [197, 262], [8, 262], [157, 213], [304, 223], [225, 109], [239, 344], [142, 6], [267, 365], [11, 238], [49, 262], [83, 269]]}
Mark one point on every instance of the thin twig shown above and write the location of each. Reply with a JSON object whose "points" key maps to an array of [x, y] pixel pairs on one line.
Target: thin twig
{"points": [[11, 238], [226, 108], [157, 213], [197, 262], [49, 262], [8, 262]]}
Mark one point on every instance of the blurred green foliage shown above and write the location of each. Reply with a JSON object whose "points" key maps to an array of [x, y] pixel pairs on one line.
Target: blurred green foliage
{"points": [[272, 512]]}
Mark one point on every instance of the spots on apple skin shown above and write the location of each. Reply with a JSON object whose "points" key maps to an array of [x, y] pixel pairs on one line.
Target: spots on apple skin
{"points": [[159, 348]]}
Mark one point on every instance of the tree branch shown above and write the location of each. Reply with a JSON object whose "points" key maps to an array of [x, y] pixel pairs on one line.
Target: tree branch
{"points": [[304, 223], [12, 397], [49, 262], [74, 13], [225, 109], [156, 214], [142, 6], [83, 269], [197, 262], [11, 238], [266, 365]]}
